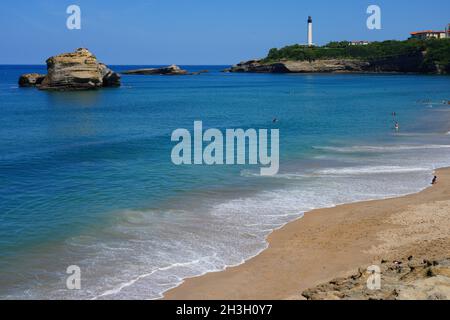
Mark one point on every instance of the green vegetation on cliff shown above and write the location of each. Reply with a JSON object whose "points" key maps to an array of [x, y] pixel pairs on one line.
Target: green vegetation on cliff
{"points": [[437, 52]]}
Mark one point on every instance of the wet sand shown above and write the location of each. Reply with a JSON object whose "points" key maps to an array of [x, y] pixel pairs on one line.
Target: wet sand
{"points": [[334, 242]]}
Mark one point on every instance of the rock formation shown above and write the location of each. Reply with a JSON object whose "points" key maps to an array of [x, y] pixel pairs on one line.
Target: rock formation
{"points": [[411, 63], [257, 66], [410, 279], [31, 79], [109, 77], [78, 70], [170, 70], [326, 66], [403, 63], [317, 66]]}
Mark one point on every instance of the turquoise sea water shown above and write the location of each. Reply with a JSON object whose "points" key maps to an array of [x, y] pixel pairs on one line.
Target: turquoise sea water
{"points": [[86, 177]]}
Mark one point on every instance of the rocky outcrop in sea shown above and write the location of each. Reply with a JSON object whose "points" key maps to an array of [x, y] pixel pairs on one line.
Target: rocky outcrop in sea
{"points": [[172, 70], [77, 70], [31, 79]]}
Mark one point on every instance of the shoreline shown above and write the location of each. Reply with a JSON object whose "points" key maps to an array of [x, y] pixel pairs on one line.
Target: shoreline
{"points": [[329, 243]]}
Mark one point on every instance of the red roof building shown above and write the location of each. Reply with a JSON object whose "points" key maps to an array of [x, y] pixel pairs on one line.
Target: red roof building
{"points": [[429, 34]]}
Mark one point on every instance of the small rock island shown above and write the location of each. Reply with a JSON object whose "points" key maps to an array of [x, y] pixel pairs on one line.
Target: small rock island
{"points": [[77, 70], [172, 70]]}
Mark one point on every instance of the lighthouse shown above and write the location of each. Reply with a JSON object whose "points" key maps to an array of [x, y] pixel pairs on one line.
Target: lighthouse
{"points": [[310, 32]]}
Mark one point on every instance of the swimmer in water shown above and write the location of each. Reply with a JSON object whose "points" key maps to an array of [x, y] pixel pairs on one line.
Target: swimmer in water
{"points": [[397, 127]]}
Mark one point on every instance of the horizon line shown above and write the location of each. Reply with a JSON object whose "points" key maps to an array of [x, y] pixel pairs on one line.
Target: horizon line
{"points": [[120, 65]]}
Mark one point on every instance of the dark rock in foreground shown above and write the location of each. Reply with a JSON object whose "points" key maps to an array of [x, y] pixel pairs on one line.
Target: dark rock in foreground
{"points": [[170, 70], [78, 70], [31, 79]]}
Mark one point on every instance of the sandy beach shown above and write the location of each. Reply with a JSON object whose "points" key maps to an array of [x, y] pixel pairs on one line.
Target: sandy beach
{"points": [[329, 243]]}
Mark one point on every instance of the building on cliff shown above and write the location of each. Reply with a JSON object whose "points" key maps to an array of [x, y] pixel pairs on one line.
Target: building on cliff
{"points": [[359, 43], [430, 34]]}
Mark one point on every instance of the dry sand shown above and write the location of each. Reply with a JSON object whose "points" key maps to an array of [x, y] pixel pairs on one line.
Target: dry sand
{"points": [[334, 242]]}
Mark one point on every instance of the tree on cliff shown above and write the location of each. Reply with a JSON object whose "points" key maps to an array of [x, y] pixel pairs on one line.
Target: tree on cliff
{"points": [[437, 52]]}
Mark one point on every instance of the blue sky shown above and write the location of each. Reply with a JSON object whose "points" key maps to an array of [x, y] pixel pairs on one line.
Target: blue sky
{"points": [[198, 31]]}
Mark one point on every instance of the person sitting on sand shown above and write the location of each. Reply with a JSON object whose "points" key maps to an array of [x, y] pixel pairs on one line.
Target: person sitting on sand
{"points": [[434, 180]]}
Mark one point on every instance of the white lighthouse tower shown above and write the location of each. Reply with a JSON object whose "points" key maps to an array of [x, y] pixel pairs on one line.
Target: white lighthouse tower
{"points": [[310, 32]]}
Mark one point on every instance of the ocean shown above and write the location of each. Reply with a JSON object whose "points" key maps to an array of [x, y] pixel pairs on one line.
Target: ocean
{"points": [[86, 178]]}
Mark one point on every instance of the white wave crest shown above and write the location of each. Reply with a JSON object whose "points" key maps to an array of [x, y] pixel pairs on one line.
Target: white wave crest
{"points": [[370, 170], [391, 148]]}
